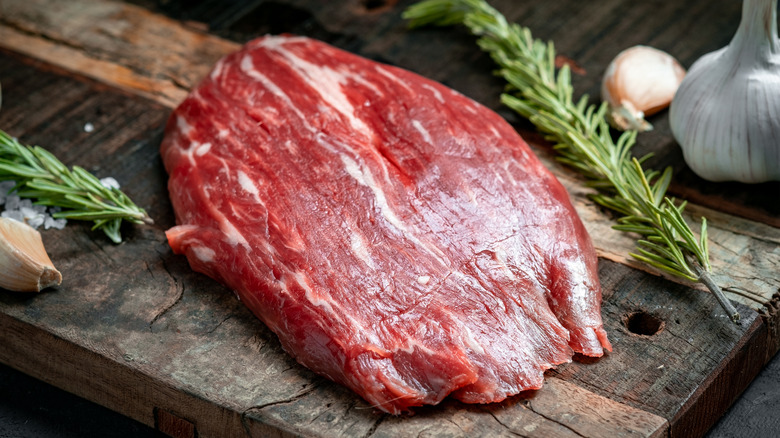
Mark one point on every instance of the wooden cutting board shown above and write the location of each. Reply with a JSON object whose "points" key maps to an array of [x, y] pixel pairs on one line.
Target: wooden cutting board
{"points": [[134, 329]]}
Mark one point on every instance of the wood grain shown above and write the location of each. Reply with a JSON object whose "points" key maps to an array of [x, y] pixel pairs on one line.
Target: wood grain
{"points": [[133, 328], [113, 42]]}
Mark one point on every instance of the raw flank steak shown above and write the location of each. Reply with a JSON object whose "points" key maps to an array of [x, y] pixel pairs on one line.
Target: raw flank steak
{"points": [[398, 237]]}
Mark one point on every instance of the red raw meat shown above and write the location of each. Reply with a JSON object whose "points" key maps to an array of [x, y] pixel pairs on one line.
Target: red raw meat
{"points": [[398, 237]]}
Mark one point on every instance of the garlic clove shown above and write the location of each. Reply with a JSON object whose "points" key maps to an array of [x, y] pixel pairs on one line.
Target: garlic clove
{"points": [[24, 264], [639, 82]]}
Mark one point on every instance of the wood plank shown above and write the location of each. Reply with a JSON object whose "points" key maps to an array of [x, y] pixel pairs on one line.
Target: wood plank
{"points": [[561, 409], [113, 42], [133, 319], [102, 376], [79, 36]]}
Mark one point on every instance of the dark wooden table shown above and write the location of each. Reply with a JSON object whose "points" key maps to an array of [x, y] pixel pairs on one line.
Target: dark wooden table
{"points": [[134, 330]]}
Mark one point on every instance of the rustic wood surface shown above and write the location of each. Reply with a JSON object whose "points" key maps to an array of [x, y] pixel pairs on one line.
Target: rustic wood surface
{"points": [[135, 330]]}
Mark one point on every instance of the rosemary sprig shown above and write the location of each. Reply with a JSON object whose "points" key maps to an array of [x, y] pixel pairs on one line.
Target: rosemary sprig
{"points": [[543, 93], [39, 175]]}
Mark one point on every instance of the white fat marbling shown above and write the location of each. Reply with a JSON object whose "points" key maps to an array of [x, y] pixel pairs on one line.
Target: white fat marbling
{"points": [[183, 126], [468, 339], [205, 255], [313, 297], [217, 71], [202, 149], [328, 83], [367, 179], [360, 248], [421, 129], [248, 67], [248, 185], [435, 93], [234, 237], [392, 77]]}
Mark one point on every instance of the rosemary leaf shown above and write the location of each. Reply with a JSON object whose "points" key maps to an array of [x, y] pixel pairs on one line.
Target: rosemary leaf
{"points": [[9, 167], [704, 244], [43, 186], [582, 137], [39, 175], [639, 229], [651, 260]]}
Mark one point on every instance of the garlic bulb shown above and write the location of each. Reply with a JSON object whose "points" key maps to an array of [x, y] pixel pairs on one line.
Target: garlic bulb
{"points": [[639, 82], [726, 114], [24, 264]]}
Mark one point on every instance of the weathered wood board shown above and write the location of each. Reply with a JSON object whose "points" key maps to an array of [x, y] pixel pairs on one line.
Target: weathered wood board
{"points": [[133, 328]]}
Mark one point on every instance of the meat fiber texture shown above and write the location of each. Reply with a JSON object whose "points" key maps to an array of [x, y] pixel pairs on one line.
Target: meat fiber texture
{"points": [[398, 237]]}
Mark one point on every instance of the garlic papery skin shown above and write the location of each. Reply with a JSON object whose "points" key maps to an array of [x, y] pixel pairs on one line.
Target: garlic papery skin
{"points": [[24, 264], [639, 82], [726, 114]]}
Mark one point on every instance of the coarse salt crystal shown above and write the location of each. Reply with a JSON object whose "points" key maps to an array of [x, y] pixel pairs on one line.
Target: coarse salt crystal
{"points": [[12, 202], [5, 187], [109, 183], [29, 212], [50, 222], [23, 210], [13, 214], [35, 221]]}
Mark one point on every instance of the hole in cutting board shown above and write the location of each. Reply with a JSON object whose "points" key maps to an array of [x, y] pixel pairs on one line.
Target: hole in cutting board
{"points": [[643, 323]]}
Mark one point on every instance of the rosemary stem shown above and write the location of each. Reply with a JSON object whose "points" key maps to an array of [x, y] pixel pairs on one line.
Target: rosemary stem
{"points": [[706, 279]]}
